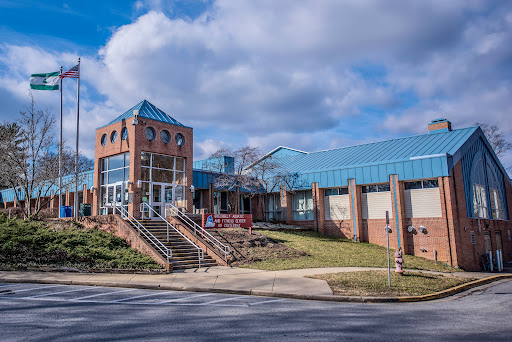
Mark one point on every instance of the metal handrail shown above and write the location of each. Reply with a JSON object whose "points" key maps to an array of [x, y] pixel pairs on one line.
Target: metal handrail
{"points": [[141, 229], [204, 233], [200, 252]]}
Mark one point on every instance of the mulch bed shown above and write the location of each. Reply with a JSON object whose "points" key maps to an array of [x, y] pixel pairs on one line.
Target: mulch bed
{"points": [[247, 248]]}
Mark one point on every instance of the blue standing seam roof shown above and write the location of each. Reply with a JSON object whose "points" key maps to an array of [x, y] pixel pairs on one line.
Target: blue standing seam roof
{"points": [[417, 147], [422, 156], [86, 177], [149, 111]]}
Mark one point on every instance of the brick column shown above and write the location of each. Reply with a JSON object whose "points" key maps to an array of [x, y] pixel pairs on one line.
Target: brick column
{"points": [[447, 186], [52, 199], [84, 192], [287, 210], [211, 190], [398, 209], [355, 209], [67, 197], [318, 208]]}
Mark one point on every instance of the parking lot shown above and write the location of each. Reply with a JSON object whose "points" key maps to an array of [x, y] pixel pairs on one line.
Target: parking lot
{"points": [[46, 312], [107, 295]]}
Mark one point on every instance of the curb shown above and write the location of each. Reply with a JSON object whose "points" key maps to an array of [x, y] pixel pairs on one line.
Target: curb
{"points": [[455, 290], [325, 298]]}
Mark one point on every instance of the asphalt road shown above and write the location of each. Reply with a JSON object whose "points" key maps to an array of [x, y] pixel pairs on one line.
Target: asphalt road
{"points": [[38, 312]]}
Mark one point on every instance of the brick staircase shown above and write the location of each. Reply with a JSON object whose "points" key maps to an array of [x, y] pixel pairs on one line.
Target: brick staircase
{"points": [[184, 254]]}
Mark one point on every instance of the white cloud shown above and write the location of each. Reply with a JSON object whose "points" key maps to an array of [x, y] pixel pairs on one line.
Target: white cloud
{"points": [[282, 72]]}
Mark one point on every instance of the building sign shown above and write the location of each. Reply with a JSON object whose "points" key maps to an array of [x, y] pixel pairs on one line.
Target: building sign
{"points": [[227, 221]]}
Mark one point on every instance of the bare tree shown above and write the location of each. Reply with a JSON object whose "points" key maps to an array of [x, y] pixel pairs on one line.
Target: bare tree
{"points": [[230, 172], [496, 138], [29, 160]]}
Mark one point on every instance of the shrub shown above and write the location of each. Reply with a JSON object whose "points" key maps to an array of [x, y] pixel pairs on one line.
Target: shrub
{"points": [[34, 243]]}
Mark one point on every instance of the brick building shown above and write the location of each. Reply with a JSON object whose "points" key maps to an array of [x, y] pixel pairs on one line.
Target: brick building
{"points": [[447, 194]]}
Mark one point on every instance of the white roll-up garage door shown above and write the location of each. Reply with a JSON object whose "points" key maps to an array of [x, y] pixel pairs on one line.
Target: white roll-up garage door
{"points": [[375, 204], [337, 207], [422, 203]]}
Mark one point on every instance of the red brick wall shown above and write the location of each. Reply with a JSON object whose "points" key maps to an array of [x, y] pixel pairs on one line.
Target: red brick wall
{"points": [[137, 143], [440, 125], [468, 256]]}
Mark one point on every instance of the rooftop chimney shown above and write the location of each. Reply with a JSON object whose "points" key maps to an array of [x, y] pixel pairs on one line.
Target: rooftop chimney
{"points": [[439, 126]]}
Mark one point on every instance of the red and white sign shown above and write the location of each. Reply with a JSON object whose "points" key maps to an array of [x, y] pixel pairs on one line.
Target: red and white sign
{"points": [[227, 220]]}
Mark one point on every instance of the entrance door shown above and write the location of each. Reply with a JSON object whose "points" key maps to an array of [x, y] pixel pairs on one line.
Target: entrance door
{"points": [[156, 201], [162, 193], [114, 195], [498, 240]]}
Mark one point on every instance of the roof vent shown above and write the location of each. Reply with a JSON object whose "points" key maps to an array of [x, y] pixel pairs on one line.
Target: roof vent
{"points": [[439, 126]]}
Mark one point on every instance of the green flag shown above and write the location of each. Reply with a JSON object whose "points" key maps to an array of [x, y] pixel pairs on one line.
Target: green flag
{"points": [[49, 81]]}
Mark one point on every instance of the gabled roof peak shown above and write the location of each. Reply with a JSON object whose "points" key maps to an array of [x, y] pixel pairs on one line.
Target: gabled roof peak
{"points": [[149, 111]]}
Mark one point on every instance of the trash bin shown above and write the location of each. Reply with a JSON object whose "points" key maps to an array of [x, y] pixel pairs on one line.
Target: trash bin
{"points": [[85, 209], [62, 212], [66, 211]]}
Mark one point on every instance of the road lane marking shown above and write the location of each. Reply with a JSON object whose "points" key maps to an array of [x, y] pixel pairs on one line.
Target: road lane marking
{"points": [[266, 301], [39, 288], [130, 298], [54, 293], [222, 300], [103, 294], [12, 285], [185, 298]]}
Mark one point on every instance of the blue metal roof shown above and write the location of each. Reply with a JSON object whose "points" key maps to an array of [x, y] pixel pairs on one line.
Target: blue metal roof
{"points": [[86, 177], [415, 157], [396, 150], [149, 111]]}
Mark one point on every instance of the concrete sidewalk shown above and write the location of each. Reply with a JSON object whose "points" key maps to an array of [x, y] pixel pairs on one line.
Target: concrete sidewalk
{"points": [[213, 279]]}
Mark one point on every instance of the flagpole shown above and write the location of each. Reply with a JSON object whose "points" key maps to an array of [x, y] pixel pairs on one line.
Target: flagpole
{"points": [[77, 132], [60, 145]]}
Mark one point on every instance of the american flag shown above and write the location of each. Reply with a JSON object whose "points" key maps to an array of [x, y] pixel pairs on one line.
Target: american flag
{"points": [[71, 73]]}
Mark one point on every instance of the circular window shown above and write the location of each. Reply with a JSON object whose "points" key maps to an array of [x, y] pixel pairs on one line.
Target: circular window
{"points": [[150, 133], [165, 136], [113, 137], [103, 140], [124, 133], [180, 139]]}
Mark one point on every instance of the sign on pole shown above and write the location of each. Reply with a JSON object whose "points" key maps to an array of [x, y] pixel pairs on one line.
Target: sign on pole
{"points": [[388, 230]]}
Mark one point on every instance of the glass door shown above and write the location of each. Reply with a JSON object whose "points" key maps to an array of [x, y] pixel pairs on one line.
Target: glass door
{"points": [[156, 201], [114, 195], [162, 193]]}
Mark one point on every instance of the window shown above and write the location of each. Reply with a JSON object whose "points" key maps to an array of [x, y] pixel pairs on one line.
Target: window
{"points": [[103, 140], [376, 188], [180, 139], [336, 191], [497, 209], [113, 137], [479, 201], [303, 206], [245, 204], [124, 133], [115, 169], [150, 133], [273, 207], [162, 168], [165, 136], [424, 184]]}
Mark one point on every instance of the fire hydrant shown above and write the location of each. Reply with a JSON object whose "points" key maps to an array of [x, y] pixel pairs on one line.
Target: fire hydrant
{"points": [[398, 263]]}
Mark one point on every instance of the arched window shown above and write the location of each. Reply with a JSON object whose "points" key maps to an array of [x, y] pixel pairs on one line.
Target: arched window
{"points": [[478, 185], [494, 192]]}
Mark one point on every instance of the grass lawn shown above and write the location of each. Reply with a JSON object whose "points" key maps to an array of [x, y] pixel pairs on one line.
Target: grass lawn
{"points": [[375, 283], [329, 251], [26, 243]]}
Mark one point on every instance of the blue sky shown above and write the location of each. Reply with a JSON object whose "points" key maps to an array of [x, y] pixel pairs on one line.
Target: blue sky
{"points": [[310, 74]]}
